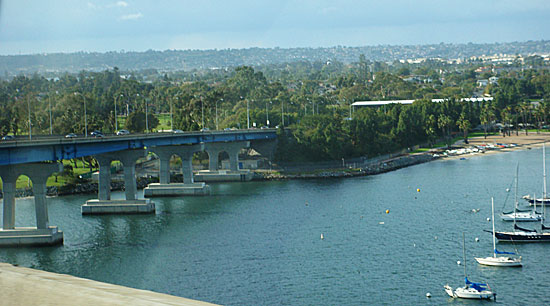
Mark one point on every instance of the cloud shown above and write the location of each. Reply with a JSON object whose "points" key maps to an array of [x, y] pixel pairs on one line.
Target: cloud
{"points": [[131, 16], [121, 4]]}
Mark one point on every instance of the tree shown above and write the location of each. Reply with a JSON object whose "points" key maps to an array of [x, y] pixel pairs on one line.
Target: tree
{"points": [[486, 117], [136, 122], [444, 122], [430, 127], [464, 125]]}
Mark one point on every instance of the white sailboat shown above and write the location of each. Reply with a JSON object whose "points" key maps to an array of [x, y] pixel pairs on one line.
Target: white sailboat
{"points": [[471, 290], [517, 215], [500, 261]]}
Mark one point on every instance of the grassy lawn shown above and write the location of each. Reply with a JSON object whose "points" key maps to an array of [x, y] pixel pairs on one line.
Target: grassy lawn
{"points": [[164, 121]]}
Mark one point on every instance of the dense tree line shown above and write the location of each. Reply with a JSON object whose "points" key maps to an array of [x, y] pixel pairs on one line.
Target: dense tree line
{"points": [[310, 102]]}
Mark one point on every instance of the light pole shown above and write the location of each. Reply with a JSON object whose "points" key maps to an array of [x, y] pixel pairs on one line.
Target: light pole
{"points": [[85, 115], [50, 106], [171, 121], [202, 114], [146, 117], [29, 111], [282, 114], [217, 113], [116, 118], [267, 114], [247, 115]]}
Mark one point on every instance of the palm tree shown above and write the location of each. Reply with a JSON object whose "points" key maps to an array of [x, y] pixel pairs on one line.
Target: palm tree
{"points": [[487, 116], [444, 122], [525, 110], [464, 124]]}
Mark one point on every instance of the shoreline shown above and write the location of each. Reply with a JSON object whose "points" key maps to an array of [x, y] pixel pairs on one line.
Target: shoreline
{"points": [[519, 142]]}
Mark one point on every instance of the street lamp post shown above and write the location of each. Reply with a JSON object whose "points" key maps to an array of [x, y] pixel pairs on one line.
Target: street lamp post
{"points": [[282, 114], [146, 116], [85, 115], [116, 118], [247, 115], [29, 111], [217, 113], [50, 106], [202, 113], [267, 114], [171, 121]]}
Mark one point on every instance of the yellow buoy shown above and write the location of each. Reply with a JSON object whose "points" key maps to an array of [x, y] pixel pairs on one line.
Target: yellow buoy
{"points": [[387, 211], [417, 189]]}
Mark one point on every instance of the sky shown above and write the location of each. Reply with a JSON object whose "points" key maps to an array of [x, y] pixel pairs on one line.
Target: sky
{"points": [[36, 26]]}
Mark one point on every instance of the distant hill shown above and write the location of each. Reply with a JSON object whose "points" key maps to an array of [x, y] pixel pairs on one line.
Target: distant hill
{"points": [[173, 60]]}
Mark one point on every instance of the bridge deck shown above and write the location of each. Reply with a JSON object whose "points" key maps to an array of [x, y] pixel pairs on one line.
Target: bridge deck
{"points": [[48, 148]]}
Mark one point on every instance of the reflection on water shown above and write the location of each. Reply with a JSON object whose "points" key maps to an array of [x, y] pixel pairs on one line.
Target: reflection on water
{"points": [[259, 242]]}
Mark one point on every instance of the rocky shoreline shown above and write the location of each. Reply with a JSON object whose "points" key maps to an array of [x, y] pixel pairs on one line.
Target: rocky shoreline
{"points": [[369, 169]]}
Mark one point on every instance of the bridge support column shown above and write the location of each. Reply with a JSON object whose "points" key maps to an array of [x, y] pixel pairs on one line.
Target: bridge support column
{"points": [[104, 184], [128, 160], [43, 233], [218, 175], [189, 187], [213, 153], [187, 166], [104, 204], [8, 180], [164, 169]]}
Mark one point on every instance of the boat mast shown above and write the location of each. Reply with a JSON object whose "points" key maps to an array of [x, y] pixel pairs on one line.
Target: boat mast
{"points": [[516, 196], [464, 253], [493, 216], [543, 172]]}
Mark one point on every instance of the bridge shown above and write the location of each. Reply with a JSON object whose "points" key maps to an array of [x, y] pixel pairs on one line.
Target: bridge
{"points": [[38, 159]]}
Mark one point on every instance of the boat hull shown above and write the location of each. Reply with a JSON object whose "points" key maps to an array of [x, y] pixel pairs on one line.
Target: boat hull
{"points": [[468, 293], [499, 261], [522, 237], [539, 201], [521, 217]]}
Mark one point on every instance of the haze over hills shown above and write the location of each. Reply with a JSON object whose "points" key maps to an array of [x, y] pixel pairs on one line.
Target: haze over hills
{"points": [[176, 60]]}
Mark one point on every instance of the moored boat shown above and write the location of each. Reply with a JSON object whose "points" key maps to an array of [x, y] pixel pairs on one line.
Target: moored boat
{"points": [[471, 290], [498, 261]]}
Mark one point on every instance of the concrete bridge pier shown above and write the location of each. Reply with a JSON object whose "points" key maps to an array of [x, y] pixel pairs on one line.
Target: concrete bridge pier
{"points": [[43, 233], [188, 187], [214, 174], [104, 204]]}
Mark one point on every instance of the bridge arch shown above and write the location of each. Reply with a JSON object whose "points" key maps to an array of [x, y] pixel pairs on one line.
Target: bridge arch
{"points": [[38, 174]]}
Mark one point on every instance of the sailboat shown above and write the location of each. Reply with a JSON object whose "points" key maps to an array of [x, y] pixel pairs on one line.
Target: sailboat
{"points": [[517, 215], [471, 290], [544, 200], [500, 261], [524, 235]]}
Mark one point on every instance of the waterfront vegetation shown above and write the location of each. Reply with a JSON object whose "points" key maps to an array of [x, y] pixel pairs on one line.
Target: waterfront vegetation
{"points": [[309, 102]]}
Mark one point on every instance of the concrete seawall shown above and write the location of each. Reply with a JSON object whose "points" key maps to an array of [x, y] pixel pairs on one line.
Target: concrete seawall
{"points": [[370, 169], [25, 286]]}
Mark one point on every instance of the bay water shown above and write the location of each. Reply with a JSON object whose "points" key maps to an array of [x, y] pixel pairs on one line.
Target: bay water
{"points": [[387, 239]]}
